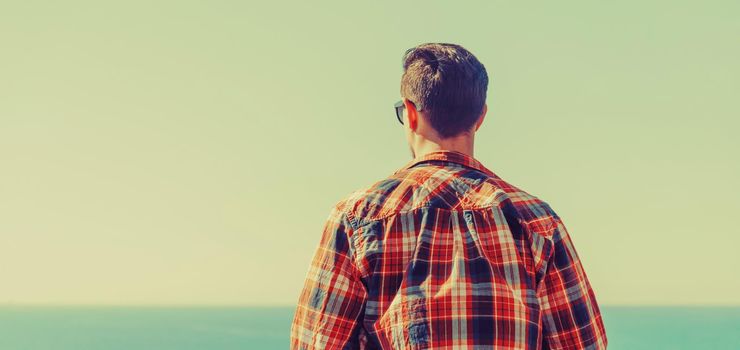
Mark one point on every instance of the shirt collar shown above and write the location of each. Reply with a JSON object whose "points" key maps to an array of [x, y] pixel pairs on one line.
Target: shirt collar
{"points": [[448, 156]]}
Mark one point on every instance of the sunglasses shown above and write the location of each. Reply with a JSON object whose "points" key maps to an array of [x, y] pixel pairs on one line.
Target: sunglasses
{"points": [[399, 106]]}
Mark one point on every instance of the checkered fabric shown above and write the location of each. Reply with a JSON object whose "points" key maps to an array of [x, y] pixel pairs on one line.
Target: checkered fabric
{"points": [[444, 254]]}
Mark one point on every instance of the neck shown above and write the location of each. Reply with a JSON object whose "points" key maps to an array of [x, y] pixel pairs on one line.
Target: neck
{"points": [[462, 144]]}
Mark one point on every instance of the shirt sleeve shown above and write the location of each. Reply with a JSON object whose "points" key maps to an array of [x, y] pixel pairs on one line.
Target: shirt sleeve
{"points": [[331, 304], [570, 314]]}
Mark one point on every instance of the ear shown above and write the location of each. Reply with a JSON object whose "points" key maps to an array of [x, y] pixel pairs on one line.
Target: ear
{"points": [[412, 114], [482, 116]]}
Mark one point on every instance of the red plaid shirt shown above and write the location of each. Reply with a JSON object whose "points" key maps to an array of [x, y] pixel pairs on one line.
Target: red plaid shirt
{"points": [[444, 254]]}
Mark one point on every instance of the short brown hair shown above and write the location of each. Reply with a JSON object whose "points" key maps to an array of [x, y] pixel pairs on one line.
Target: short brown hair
{"points": [[448, 83]]}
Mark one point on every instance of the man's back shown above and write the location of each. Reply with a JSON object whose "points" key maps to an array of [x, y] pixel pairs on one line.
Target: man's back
{"points": [[446, 254]]}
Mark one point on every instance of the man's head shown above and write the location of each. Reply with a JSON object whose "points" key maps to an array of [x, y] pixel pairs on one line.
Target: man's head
{"points": [[443, 88]]}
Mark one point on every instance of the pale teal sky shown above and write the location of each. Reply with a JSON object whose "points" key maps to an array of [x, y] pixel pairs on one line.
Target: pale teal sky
{"points": [[188, 152]]}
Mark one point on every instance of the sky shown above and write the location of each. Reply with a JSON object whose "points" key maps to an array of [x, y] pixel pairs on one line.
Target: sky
{"points": [[189, 152]]}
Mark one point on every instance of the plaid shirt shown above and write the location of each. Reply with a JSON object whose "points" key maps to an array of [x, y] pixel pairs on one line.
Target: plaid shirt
{"points": [[444, 254]]}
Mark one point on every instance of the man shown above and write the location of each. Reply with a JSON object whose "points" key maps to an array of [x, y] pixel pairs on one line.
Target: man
{"points": [[444, 254]]}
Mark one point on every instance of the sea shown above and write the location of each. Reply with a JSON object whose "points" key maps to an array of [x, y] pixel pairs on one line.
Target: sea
{"points": [[226, 328]]}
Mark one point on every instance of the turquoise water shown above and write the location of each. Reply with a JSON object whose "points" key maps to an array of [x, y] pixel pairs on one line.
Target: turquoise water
{"points": [[221, 328]]}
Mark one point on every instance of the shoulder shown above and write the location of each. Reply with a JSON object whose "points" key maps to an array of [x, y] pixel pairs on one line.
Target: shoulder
{"points": [[438, 186], [379, 199], [530, 206]]}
